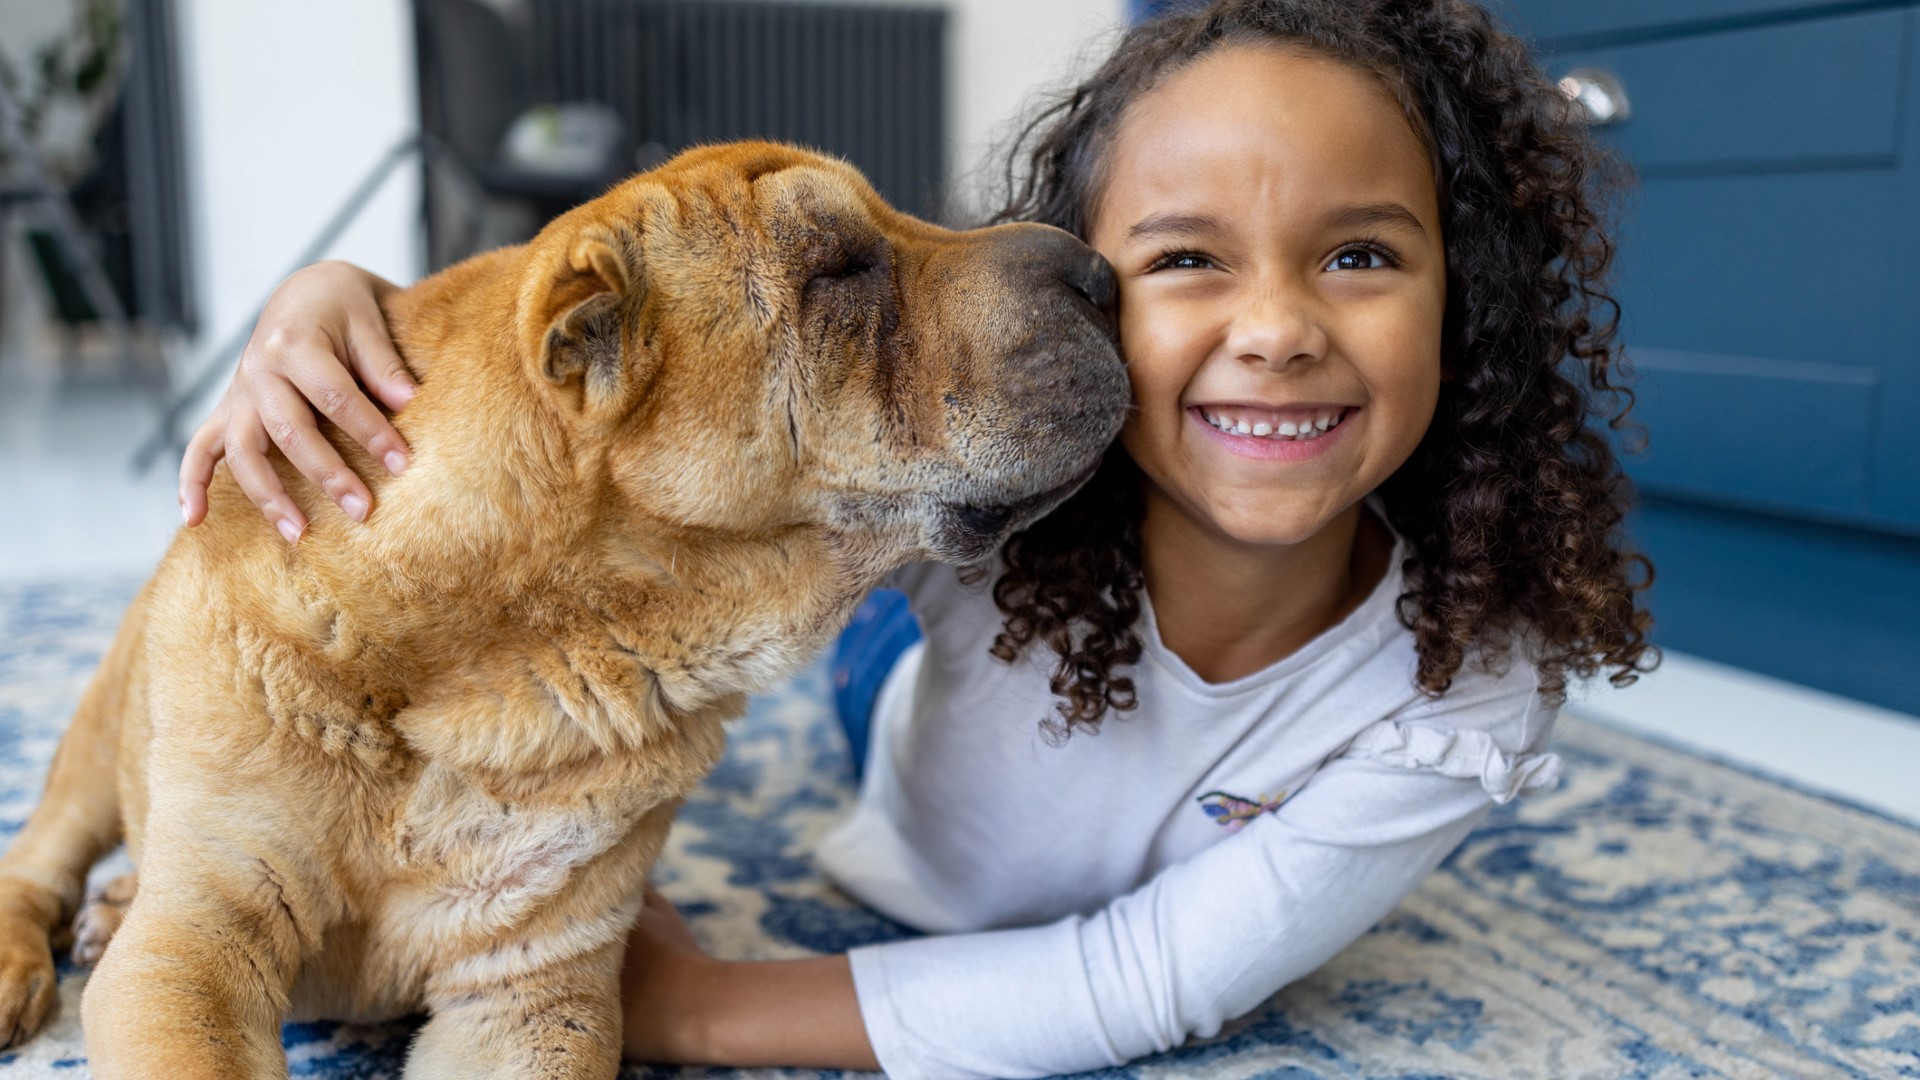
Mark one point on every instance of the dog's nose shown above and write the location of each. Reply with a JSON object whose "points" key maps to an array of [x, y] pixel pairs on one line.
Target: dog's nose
{"points": [[1058, 254]]}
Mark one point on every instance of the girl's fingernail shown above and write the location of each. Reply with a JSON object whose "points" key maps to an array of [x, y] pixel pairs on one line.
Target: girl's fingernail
{"points": [[185, 517], [407, 391], [396, 462], [355, 506], [289, 530]]}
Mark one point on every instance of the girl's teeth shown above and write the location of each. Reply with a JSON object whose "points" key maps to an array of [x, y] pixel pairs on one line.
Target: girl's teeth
{"points": [[1285, 429]]}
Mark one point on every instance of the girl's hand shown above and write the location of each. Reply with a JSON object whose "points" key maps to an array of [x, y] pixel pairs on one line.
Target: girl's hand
{"points": [[662, 960], [683, 1007], [321, 329]]}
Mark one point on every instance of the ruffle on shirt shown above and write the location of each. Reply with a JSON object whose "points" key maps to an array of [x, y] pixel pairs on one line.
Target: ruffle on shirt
{"points": [[1464, 755]]}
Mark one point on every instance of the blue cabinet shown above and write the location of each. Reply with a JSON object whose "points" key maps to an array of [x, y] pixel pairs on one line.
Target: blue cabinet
{"points": [[1769, 278], [1575, 23]]}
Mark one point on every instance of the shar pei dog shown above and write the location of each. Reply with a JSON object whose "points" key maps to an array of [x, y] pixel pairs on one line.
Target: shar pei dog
{"points": [[424, 764]]}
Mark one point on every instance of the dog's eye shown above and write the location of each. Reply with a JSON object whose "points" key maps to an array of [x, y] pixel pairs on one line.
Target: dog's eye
{"points": [[848, 265], [846, 260]]}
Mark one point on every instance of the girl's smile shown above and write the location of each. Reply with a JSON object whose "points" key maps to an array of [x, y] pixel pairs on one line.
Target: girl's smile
{"points": [[1273, 220], [1276, 434]]}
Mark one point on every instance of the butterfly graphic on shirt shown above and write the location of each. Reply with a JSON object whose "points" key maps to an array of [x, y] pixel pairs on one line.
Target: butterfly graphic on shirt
{"points": [[1232, 812]]}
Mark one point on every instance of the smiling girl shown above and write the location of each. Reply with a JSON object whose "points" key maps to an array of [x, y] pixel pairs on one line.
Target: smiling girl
{"points": [[1201, 727]]}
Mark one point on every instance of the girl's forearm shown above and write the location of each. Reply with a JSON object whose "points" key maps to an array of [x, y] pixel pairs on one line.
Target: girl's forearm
{"points": [[792, 1013]]}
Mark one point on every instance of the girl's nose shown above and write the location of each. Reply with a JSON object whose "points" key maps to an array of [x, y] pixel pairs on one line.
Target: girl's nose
{"points": [[1276, 331]]}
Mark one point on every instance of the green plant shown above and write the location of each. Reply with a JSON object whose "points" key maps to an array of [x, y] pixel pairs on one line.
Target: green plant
{"points": [[78, 65]]}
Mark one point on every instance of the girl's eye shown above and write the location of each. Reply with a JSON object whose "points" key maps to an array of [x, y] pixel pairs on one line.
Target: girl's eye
{"points": [[1181, 260], [1362, 257]]}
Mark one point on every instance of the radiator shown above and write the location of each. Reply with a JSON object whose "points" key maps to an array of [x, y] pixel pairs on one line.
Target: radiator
{"points": [[865, 82]]}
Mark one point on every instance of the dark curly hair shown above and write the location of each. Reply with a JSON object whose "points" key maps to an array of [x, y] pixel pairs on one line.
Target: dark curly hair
{"points": [[1512, 502]]}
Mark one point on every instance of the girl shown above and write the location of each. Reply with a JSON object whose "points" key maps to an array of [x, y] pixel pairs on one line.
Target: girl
{"points": [[1197, 730]]}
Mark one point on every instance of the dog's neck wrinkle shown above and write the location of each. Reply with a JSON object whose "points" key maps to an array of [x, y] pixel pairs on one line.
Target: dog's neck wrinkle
{"points": [[705, 629], [618, 656], [484, 513], [678, 618], [479, 416]]}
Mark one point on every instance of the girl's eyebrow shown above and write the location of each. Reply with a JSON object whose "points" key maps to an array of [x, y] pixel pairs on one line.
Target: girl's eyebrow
{"points": [[1188, 225], [1372, 215], [1365, 216]]}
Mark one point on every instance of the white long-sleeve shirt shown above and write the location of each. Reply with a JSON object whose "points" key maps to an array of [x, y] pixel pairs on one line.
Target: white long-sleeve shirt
{"points": [[1090, 907]]}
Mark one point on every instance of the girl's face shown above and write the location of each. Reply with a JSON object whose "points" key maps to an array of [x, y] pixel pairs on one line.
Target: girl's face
{"points": [[1272, 218]]}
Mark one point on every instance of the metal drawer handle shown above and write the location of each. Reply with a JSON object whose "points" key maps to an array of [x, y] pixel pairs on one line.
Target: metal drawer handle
{"points": [[1599, 94]]}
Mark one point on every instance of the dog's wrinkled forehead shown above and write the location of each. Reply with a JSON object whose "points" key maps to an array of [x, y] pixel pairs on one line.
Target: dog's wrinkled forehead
{"points": [[769, 223], [818, 218], [782, 187], [768, 272]]}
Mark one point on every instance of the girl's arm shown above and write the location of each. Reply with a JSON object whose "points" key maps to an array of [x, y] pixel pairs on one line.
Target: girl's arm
{"points": [[684, 1007], [1202, 942], [321, 330]]}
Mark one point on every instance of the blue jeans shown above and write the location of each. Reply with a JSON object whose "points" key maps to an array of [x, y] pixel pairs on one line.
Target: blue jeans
{"points": [[881, 630]]}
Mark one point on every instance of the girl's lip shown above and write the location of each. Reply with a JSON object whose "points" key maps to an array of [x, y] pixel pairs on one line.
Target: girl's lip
{"points": [[1268, 449], [1291, 406]]}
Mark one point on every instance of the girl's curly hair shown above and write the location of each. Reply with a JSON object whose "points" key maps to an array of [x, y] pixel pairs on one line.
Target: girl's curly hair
{"points": [[1512, 502]]}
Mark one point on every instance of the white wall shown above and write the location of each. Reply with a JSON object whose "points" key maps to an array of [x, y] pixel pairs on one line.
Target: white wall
{"points": [[1003, 51], [287, 106]]}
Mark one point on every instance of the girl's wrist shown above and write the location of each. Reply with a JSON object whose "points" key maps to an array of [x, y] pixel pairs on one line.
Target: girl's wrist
{"points": [[695, 1034], [675, 1021], [744, 1013]]}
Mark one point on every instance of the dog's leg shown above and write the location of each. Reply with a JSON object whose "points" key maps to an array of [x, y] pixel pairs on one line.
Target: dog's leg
{"points": [[558, 1023], [197, 980], [101, 916], [77, 820]]}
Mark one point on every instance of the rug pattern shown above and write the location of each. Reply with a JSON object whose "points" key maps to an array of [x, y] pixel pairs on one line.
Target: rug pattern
{"points": [[1656, 916]]}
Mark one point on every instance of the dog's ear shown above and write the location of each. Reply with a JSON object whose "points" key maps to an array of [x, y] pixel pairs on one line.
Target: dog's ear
{"points": [[581, 309]]}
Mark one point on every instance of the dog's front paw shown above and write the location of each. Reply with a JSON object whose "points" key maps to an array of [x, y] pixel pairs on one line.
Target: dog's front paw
{"points": [[27, 983], [27, 990]]}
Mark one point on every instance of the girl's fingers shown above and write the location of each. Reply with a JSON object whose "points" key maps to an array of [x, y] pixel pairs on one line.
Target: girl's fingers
{"points": [[246, 442], [204, 450], [332, 390], [286, 418], [380, 367]]}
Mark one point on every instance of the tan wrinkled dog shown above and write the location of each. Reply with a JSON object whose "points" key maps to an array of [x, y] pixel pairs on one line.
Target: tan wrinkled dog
{"points": [[659, 453]]}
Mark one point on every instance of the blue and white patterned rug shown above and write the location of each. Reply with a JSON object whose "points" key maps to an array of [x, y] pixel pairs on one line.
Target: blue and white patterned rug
{"points": [[1657, 916]]}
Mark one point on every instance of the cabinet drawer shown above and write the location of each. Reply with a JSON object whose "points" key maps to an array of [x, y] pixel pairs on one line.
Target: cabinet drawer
{"points": [[1826, 91], [1788, 265], [1771, 434], [1589, 20]]}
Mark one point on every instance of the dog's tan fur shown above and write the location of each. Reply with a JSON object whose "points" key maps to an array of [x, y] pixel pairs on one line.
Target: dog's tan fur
{"points": [[659, 453]]}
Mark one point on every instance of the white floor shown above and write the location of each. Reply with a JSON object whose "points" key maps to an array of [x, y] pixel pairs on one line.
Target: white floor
{"points": [[69, 501], [1818, 740], [72, 507]]}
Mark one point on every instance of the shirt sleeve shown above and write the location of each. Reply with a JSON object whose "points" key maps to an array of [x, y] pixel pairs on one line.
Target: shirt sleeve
{"points": [[1208, 939]]}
